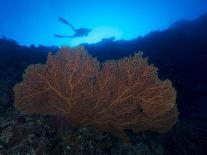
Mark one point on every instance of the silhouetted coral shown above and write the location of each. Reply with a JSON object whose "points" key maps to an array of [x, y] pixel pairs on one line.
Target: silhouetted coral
{"points": [[112, 96]]}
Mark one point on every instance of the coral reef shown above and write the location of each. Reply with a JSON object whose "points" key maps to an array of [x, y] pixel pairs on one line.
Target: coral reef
{"points": [[35, 134], [111, 96]]}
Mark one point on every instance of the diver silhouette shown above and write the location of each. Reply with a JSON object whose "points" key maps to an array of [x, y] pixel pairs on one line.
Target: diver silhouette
{"points": [[82, 32]]}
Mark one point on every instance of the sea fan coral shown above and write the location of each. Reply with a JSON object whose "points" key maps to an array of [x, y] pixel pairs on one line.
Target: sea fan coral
{"points": [[112, 96]]}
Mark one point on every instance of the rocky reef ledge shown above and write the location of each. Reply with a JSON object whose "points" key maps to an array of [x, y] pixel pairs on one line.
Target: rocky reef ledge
{"points": [[22, 134]]}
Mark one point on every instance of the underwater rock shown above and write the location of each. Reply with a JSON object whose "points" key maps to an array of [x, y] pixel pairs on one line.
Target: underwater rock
{"points": [[6, 94], [23, 134]]}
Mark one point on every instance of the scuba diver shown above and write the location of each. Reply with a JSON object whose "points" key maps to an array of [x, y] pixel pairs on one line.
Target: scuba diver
{"points": [[82, 32]]}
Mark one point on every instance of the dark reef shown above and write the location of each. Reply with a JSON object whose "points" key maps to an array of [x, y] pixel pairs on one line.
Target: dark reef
{"points": [[179, 52], [22, 134]]}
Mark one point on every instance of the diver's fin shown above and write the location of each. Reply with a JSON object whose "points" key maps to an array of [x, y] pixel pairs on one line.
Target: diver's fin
{"points": [[64, 21]]}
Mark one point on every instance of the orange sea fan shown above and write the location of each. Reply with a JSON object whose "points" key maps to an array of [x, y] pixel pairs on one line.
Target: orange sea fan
{"points": [[112, 96]]}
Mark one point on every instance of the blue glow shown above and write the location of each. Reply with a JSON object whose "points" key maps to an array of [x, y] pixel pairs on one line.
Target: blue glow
{"points": [[36, 21]]}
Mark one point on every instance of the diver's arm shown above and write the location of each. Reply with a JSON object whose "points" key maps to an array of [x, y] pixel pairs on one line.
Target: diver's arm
{"points": [[62, 36]]}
